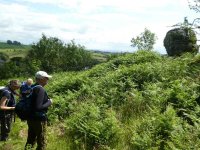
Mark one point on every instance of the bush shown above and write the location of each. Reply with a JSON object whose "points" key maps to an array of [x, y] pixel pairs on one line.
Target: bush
{"points": [[90, 127]]}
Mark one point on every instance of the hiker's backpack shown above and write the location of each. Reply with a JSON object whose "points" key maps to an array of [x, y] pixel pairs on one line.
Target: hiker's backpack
{"points": [[2, 88], [23, 108]]}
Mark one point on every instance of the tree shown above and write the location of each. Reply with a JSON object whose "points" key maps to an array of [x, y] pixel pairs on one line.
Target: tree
{"points": [[75, 57], [9, 42], [53, 55], [16, 43], [145, 40], [47, 51]]}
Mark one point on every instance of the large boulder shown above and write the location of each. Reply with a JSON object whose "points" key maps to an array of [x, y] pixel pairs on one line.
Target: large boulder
{"points": [[180, 40]]}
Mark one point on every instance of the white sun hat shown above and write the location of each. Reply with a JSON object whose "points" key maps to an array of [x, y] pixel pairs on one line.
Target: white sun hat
{"points": [[42, 74]]}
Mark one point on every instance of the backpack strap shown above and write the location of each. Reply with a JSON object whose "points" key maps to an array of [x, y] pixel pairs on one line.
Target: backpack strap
{"points": [[32, 90]]}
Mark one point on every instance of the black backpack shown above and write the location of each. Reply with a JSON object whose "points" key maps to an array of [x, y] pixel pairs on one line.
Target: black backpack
{"points": [[2, 88], [23, 108]]}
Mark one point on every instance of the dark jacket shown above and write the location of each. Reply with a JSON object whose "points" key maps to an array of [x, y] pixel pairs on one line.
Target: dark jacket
{"points": [[40, 103]]}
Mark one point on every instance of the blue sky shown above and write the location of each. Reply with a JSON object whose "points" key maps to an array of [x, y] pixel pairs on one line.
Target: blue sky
{"points": [[95, 24]]}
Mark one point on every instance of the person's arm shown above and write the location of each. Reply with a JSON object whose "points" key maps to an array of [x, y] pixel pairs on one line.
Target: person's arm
{"points": [[39, 100], [3, 106]]}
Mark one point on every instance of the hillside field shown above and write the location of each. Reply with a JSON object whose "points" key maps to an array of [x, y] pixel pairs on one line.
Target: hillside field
{"points": [[22, 51], [138, 101], [14, 50]]}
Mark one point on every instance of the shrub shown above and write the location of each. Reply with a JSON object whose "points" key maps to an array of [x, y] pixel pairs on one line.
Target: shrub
{"points": [[90, 127]]}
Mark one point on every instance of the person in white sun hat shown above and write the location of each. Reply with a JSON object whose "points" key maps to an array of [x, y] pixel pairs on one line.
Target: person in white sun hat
{"points": [[38, 120]]}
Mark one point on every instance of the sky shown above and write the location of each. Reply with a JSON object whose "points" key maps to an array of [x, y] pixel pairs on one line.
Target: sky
{"points": [[107, 25]]}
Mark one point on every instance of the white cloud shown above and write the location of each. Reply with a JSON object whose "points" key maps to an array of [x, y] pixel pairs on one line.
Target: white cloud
{"points": [[98, 24]]}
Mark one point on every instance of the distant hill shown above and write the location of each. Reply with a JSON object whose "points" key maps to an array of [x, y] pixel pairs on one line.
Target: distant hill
{"points": [[21, 50], [14, 50], [106, 51], [4, 45]]}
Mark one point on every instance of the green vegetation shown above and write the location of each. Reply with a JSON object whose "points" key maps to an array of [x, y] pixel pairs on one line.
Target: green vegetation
{"points": [[52, 55], [22, 51], [14, 50], [4, 45], [49, 54], [139, 101], [100, 57], [144, 41]]}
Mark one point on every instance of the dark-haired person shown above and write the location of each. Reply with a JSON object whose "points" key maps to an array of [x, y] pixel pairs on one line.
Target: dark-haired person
{"points": [[7, 106], [38, 121]]}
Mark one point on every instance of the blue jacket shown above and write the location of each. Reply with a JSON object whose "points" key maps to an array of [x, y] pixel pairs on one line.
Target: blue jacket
{"points": [[25, 89]]}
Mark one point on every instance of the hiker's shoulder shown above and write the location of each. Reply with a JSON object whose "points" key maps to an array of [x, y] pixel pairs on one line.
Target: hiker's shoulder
{"points": [[37, 87]]}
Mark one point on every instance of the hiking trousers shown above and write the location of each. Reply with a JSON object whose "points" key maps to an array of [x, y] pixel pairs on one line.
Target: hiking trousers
{"points": [[5, 121], [36, 133]]}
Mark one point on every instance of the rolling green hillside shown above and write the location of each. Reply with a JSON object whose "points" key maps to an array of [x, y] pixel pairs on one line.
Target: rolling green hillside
{"points": [[4, 45], [22, 50], [139, 101], [14, 50]]}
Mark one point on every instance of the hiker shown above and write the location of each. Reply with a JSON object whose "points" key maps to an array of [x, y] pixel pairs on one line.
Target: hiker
{"points": [[25, 88], [38, 121], [7, 106]]}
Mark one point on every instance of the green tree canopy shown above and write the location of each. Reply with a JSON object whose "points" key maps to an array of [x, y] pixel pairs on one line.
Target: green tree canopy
{"points": [[145, 40], [75, 57], [53, 55], [47, 51]]}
